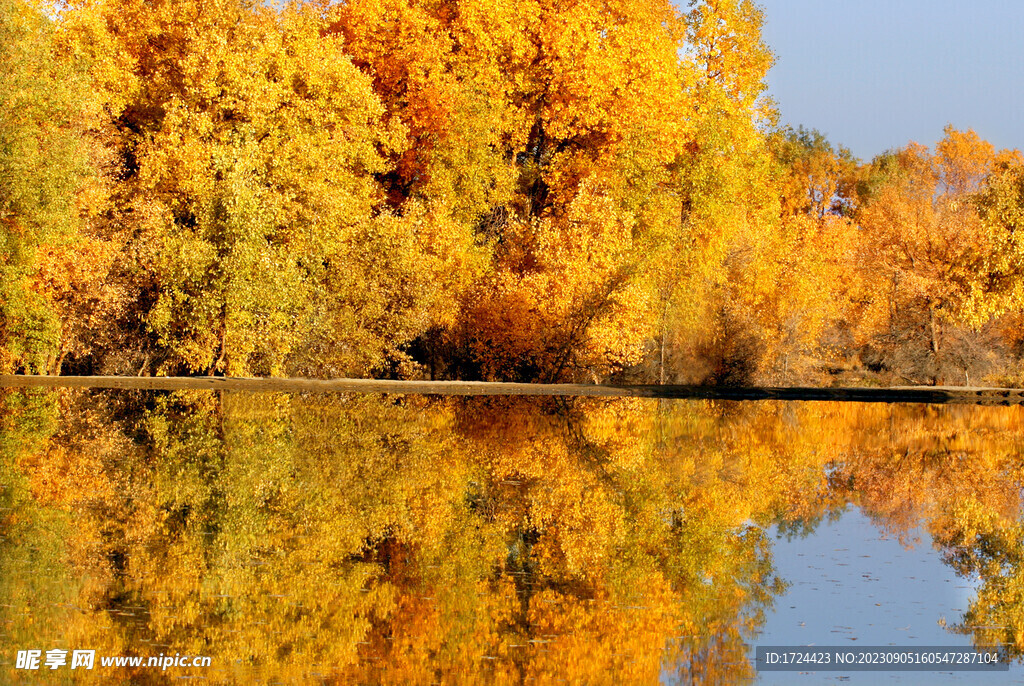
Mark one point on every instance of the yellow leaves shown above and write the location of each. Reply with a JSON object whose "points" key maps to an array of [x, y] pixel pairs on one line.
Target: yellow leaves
{"points": [[45, 108], [723, 191], [566, 294], [965, 160], [248, 156], [333, 189], [924, 232], [609, 68], [541, 129]]}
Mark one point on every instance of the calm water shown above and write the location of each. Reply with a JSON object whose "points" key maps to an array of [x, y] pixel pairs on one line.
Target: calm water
{"points": [[344, 539]]}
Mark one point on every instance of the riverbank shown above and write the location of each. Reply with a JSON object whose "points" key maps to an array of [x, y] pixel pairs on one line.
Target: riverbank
{"points": [[905, 394]]}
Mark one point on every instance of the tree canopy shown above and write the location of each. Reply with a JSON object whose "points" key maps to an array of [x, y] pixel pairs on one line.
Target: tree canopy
{"points": [[530, 191]]}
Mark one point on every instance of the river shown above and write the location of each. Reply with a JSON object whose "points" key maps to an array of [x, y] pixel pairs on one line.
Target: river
{"points": [[402, 539]]}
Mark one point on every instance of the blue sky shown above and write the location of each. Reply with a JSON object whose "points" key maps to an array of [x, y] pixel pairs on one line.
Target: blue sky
{"points": [[876, 74]]}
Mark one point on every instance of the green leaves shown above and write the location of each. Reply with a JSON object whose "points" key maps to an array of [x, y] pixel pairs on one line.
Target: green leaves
{"points": [[42, 167]]}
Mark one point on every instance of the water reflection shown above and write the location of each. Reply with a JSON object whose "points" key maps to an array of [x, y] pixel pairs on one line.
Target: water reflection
{"points": [[368, 539]]}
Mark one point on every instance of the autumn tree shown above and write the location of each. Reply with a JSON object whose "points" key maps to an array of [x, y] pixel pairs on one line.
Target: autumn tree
{"points": [[721, 196], [1001, 205], [246, 145], [43, 168], [803, 272], [819, 178], [928, 252], [541, 135]]}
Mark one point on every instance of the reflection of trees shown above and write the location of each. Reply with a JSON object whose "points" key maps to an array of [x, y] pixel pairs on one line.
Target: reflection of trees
{"points": [[910, 466], [376, 540], [977, 544], [956, 472], [387, 540], [597, 575], [48, 571]]}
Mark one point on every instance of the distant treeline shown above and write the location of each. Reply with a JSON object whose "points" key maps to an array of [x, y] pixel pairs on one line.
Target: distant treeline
{"points": [[527, 191]]}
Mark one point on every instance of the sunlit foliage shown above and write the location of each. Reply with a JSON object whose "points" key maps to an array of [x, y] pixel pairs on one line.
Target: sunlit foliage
{"points": [[526, 191], [44, 105]]}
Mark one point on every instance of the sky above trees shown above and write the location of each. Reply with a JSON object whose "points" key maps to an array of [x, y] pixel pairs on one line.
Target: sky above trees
{"points": [[874, 74]]}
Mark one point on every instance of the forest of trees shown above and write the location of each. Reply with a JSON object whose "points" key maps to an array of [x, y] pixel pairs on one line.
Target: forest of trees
{"points": [[528, 190]]}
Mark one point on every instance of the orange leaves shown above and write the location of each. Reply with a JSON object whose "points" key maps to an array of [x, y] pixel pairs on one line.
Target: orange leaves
{"points": [[441, 79], [540, 129], [76, 280], [964, 160], [333, 189], [528, 189], [925, 238]]}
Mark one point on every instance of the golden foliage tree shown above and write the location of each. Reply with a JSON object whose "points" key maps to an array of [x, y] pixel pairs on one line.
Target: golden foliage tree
{"points": [[927, 249], [722, 196], [247, 144], [44, 108]]}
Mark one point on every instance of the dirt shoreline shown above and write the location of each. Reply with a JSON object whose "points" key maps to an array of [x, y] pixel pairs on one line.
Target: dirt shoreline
{"points": [[903, 394]]}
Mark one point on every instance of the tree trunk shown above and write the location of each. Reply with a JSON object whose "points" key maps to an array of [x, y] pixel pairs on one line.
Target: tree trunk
{"points": [[59, 363], [934, 329], [223, 343], [664, 327]]}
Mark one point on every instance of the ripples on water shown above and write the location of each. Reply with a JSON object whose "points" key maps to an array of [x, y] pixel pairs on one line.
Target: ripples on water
{"points": [[405, 540]]}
